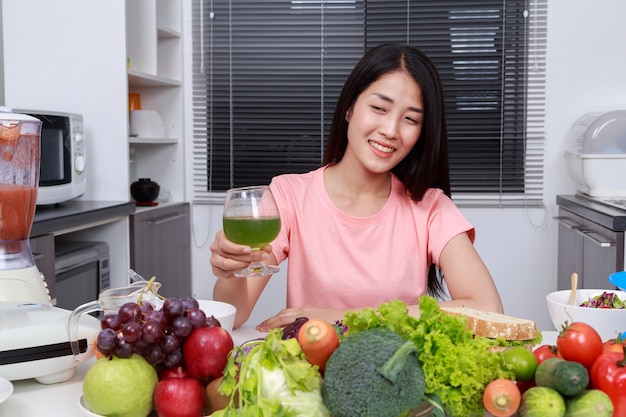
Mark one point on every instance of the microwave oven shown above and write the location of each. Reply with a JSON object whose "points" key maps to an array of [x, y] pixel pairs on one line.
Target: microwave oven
{"points": [[81, 271], [62, 174]]}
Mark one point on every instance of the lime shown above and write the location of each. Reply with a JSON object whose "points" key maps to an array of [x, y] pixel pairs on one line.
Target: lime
{"points": [[117, 387], [522, 362]]}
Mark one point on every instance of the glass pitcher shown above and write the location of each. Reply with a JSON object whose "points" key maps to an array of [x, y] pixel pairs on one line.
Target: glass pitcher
{"points": [[109, 301]]}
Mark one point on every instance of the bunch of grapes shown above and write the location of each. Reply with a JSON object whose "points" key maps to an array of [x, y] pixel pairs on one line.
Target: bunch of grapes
{"points": [[157, 335]]}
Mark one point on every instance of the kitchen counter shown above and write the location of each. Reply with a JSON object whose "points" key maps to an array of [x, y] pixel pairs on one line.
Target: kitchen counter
{"points": [[610, 217], [77, 214]]}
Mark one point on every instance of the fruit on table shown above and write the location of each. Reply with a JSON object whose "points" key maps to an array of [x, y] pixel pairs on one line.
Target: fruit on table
{"points": [[213, 399], [521, 361], [205, 352], [542, 402], [120, 387], [178, 395], [579, 342]]}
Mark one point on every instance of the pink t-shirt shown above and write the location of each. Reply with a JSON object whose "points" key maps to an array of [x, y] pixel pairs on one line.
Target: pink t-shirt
{"points": [[340, 261]]}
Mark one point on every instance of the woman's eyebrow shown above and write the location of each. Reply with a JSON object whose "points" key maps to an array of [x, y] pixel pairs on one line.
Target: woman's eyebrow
{"points": [[390, 100]]}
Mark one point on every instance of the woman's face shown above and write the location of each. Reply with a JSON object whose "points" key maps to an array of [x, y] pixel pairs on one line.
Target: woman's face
{"points": [[385, 122]]}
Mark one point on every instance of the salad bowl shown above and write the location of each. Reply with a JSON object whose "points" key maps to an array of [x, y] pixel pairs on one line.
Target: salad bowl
{"points": [[608, 322]]}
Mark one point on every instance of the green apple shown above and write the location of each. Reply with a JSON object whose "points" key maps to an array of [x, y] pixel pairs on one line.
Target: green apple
{"points": [[120, 387]]}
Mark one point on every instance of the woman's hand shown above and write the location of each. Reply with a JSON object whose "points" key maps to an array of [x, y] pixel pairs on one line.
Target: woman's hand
{"points": [[228, 257], [288, 315]]}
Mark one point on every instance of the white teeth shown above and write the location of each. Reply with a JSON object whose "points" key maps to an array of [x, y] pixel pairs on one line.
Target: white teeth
{"points": [[380, 147]]}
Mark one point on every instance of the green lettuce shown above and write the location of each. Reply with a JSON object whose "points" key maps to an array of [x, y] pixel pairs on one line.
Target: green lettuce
{"points": [[273, 379], [457, 366]]}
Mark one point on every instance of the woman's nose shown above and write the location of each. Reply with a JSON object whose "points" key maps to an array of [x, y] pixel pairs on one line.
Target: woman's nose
{"points": [[389, 127]]}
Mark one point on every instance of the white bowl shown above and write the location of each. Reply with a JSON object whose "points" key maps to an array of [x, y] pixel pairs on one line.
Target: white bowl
{"points": [[223, 312], [609, 323]]}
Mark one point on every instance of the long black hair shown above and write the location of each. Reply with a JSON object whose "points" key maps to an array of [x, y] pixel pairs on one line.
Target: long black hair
{"points": [[426, 165]]}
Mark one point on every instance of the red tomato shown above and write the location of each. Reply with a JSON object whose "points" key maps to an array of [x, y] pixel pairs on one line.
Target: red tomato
{"points": [[608, 374], [579, 342], [544, 352], [614, 345]]}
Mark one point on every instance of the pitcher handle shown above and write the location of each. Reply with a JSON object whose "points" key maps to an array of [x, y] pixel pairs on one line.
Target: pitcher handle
{"points": [[73, 320]]}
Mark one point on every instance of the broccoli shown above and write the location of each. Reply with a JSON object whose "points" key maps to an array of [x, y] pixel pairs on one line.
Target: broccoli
{"points": [[373, 373]]}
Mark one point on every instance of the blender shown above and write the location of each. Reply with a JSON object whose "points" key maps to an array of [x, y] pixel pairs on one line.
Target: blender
{"points": [[20, 280], [34, 335]]}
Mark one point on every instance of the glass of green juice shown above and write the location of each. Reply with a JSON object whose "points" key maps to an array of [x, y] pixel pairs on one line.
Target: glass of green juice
{"points": [[251, 218]]}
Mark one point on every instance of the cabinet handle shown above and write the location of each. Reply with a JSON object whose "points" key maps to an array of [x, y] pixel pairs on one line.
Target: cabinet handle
{"points": [[572, 226], [165, 219], [601, 242], [586, 233]]}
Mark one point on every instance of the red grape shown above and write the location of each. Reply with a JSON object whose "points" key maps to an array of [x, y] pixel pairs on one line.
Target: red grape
{"points": [[111, 321], [169, 344], [130, 312], [132, 331], [196, 317], [172, 308], [181, 327]]}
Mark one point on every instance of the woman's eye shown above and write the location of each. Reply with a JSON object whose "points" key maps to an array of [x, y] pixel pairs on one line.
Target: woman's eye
{"points": [[378, 109], [412, 120]]}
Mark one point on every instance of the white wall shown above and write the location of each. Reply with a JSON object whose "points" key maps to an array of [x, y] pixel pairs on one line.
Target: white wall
{"points": [[586, 71]]}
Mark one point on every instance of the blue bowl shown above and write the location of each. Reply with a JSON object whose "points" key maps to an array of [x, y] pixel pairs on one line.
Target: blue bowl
{"points": [[619, 280]]}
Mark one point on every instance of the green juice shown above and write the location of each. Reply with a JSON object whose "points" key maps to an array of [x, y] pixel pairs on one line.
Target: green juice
{"points": [[254, 232]]}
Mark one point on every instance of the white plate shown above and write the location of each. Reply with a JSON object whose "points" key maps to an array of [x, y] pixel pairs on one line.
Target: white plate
{"points": [[6, 389], [85, 410]]}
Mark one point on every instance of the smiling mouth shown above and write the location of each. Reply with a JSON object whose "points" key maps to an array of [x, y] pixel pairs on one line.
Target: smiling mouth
{"points": [[380, 147]]}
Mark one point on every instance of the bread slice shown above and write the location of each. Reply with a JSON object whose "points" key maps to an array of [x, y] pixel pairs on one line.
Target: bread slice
{"points": [[495, 325]]}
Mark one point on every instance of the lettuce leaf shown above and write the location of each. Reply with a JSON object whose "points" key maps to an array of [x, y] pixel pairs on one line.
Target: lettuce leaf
{"points": [[457, 366], [273, 379]]}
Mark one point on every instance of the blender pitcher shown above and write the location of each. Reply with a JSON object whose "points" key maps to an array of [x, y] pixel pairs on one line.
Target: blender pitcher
{"points": [[20, 280]]}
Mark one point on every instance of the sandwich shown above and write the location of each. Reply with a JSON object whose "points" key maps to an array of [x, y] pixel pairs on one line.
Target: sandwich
{"points": [[506, 330]]}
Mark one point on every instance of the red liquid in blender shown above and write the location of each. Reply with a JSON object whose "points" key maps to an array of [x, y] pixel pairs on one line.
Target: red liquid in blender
{"points": [[16, 211]]}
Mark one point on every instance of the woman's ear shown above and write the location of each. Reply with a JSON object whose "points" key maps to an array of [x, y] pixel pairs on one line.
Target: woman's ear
{"points": [[348, 115]]}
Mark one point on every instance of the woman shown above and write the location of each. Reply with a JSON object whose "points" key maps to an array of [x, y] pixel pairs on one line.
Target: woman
{"points": [[376, 221]]}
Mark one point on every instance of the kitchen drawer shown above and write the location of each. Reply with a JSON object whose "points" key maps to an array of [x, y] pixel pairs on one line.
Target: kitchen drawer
{"points": [[160, 246]]}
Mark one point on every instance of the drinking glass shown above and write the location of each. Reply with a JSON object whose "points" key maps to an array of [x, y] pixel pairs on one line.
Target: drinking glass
{"points": [[251, 218]]}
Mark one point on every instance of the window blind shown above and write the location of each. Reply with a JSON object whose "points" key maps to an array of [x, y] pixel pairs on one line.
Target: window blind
{"points": [[266, 75]]}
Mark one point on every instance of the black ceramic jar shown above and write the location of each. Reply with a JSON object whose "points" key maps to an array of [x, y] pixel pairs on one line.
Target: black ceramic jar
{"points": [[144, 190]]}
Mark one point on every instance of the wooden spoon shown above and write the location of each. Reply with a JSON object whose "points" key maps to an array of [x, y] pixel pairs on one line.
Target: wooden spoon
{"points": [[572, 295]]}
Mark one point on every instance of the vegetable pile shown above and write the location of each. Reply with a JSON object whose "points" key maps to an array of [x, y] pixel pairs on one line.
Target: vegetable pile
{"points": [[384, 363], [457, 366]]}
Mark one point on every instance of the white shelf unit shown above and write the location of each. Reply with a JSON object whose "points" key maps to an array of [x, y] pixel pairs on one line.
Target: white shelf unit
{"points": [[154, 47]]}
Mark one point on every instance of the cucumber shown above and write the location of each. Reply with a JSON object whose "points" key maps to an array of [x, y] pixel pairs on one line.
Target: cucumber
{"points": [[567, 377], [592, 402]]}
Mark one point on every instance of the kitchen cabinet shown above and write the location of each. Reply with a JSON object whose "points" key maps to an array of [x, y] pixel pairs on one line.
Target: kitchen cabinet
{"points": [[160, 246], [590, 243], [154, 59]]}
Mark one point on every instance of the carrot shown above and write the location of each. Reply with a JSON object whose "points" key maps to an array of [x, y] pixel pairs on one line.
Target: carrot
{"points": [[502, 398], [318, 339], [95, 348]]}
